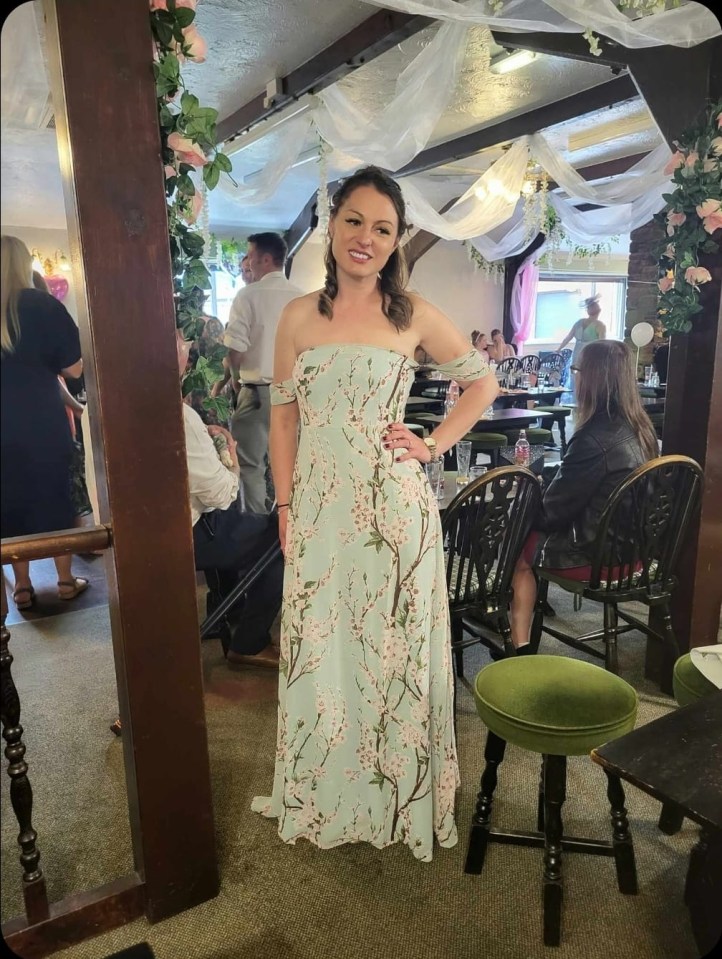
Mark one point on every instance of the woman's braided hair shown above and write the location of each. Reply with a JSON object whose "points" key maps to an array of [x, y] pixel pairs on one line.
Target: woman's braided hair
{"points": [[396, 305]]}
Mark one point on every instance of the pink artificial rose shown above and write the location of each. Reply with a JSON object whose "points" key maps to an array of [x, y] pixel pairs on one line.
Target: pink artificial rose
{"points": [[676, 219], [666, 283], [186, 150], [710, 212], [695, 275], [669, 251], [158, 4], [692, 158], [676, 160], [715, 147], [196, 46], [169, 171]]}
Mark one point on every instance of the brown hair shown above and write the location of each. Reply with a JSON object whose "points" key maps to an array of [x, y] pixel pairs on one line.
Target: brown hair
{"points": [[607, 381], [396, 305], [272, 244]]}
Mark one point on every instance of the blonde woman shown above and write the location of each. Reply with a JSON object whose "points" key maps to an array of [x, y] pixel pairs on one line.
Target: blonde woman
{"points": [[39, 342]]}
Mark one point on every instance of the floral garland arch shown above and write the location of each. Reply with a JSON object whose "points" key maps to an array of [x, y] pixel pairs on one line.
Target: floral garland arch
{"points": [[188, 145], [692, 221]]}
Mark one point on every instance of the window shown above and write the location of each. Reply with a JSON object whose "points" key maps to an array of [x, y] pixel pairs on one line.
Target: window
{"points": [[558, 299], [223, 289]]}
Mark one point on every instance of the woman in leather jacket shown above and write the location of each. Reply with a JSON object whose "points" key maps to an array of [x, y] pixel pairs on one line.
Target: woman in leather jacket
{"points": [[613, 436]]}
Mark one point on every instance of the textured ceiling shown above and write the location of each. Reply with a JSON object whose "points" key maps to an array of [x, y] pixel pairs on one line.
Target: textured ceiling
{"points": [[249, 42]]}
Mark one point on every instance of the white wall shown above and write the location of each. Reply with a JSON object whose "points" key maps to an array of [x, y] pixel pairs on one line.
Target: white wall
{"points": [[307, 269], [447, 278], [47, 242]]}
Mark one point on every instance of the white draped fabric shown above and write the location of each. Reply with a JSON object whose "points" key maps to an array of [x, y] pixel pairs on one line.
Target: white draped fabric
{"points": [[683, 26], [403, 128]]}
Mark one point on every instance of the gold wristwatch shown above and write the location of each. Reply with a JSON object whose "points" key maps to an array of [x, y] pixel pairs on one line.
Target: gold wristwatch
{"points": [[431, 443]]}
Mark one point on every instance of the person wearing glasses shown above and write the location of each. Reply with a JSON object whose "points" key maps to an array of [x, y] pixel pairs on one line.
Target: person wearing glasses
{"points": [[613, 436]]}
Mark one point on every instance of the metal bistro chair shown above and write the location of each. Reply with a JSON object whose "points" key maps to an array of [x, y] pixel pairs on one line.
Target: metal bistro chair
{"points": [[552, 364], [530, 364], [484, 530], [566, 355], [508, 369], [634, 556]]}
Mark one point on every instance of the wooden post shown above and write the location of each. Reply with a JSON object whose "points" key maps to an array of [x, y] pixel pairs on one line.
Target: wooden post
{"points": [[677, 86], [109, 145]]}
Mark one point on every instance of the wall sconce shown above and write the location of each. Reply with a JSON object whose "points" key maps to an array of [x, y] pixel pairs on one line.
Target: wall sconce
{"points": [[48, 266]]}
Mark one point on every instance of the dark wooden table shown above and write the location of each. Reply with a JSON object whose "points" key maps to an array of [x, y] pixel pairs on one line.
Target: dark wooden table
{"points": [[504, 420], [546, 395], [423, 404], [678, 760]]}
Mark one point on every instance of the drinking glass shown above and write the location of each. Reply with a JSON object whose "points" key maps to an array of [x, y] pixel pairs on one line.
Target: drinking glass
{"points": [[477, 471], [435, 473], [463, 459]]}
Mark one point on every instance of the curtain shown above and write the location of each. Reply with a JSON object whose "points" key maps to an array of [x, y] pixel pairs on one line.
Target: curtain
{"points": [[523, 301]]}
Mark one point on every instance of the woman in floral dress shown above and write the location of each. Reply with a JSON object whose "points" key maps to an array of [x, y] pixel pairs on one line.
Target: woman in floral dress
{"points": [[366, 747]]}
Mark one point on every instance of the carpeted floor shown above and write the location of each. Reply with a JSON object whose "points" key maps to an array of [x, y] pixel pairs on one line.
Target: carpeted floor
{"points": [[296, 902]]}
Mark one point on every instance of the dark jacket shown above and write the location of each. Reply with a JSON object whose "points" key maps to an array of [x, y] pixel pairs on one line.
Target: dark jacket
{"points": [[600, 455]]}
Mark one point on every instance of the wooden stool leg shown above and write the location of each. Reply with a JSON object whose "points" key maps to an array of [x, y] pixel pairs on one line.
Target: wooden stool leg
{"points": [[621, 839], [670, 819], [611, 661], [540, 801], [457, 637], [555, 774], [563, 434], [479, 836]]}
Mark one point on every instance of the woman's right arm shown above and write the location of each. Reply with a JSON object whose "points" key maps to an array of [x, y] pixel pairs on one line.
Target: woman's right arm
{"points": [[283, 440], [567, 338]]}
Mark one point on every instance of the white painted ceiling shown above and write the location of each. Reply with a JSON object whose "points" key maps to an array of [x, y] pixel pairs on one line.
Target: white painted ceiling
{"points": [[251, 41]]}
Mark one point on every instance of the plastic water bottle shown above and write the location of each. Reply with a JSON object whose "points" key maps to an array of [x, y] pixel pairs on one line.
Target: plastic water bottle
{"points": [[452, 397], [522, 450]]}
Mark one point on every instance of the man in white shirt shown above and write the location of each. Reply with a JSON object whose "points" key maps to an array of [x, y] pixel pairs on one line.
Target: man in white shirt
{"points": [[226, 542], [250, 336]]}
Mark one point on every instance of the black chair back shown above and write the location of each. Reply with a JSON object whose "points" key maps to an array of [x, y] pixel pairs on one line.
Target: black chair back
{"points": [[642, 529], [485, 528], [566, 355], [512, 364], [530, 363], [552, 364]]}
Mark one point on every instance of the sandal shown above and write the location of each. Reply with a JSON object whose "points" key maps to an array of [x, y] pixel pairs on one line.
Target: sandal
{"points": [[26, 603], [116, 728], [75, 586]]}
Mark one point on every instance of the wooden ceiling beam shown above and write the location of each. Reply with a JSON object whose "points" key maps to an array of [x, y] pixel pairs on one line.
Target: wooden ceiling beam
{"points": [[368, 40], [569, 108], [571, 46]]}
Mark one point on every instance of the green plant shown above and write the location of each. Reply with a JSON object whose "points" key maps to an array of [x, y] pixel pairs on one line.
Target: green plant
{"points": [[188, 144], [692, 221]]}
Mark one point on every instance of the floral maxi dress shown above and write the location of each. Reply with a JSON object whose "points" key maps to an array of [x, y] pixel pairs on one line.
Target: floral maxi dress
{"points": [[366, 747]]}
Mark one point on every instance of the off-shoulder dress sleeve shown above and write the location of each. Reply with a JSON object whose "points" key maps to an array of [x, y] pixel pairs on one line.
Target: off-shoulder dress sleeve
{"points": [[283, 392], [470, 366]]}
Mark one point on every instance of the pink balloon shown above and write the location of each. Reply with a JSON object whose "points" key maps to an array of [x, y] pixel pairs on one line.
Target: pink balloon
{"points": [[58, 286]]}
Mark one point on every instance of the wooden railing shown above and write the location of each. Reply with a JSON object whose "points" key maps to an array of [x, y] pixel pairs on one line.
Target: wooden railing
{"points": [[29, 936]]}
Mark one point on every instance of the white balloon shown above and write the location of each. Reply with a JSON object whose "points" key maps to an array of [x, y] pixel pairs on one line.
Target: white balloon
{"points": [[642, 334]]}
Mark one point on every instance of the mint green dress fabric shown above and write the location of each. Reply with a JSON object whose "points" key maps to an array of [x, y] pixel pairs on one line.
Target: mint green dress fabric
{"points": [[366, 748]]}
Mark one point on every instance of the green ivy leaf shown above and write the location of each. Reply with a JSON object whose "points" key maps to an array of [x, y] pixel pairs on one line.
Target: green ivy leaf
{"points": [[223, 163], [188, 103], [184, 16], [211, 175], [185, 185]]}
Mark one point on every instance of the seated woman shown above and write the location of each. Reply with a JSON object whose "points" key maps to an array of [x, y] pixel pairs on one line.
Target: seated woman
{"points": [[479, 342], [613, 436], [499, 349]]}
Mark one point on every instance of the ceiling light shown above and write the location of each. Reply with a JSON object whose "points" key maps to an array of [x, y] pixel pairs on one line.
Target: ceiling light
{"points": [[506, 62]]}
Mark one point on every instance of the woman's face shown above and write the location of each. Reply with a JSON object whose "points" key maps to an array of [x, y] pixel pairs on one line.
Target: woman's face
{"points": [[364, 232], [593, 310]]}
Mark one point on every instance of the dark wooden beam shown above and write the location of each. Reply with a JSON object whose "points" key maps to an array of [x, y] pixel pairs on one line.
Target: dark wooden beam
{"points": [[571, 46], [379, 33], [596, 98], [124, 292], [677, 85], [423, 241]]}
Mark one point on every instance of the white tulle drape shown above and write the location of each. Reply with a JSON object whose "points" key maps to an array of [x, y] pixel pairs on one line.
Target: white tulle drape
{"points": [[683, 26]]}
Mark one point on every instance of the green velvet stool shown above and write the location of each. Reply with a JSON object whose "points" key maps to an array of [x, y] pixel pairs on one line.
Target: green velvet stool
{"points": [[558, 707], [489, 443], [689, 685], [560, 418]]}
